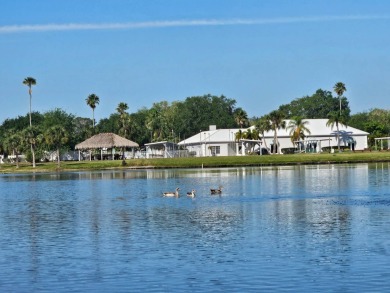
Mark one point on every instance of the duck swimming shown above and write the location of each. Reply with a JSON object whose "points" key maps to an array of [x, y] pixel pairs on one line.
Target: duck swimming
{"points": [[170, 194], [191, 194], [216, 191]]}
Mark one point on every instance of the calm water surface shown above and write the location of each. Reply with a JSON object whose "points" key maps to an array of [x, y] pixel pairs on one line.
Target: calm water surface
{"points": [[298, 229]]}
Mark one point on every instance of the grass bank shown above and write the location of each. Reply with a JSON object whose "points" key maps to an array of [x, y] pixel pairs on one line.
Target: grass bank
{"points": [[206, 162]]}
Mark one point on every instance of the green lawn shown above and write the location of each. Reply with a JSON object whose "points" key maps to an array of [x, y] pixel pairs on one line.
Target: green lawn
{"points": [[206, 162]]}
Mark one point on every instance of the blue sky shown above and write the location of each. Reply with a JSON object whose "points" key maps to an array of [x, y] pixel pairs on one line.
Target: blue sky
{"points": [[260, 53]]}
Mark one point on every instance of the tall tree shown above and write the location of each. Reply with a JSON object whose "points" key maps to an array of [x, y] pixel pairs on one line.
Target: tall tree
{"points": [[56, 136], [13, 144], [122, 107], [337, 118], [298, 128], [30, 81], [339, 89], [277, 122], [31, 136], [92, 101], [263, 124], [158, 122], [252, 134], [60, 117], [241, 117], [124, 118], [316, 106]]}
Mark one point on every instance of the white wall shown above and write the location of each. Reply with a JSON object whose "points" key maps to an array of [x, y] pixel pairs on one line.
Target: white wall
{"points": [[284, 142]]}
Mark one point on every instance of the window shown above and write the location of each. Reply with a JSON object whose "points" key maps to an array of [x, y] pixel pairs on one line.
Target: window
{"points": [[215, 150]]}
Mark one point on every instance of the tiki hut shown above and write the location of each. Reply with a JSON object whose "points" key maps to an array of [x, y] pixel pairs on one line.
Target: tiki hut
{"points": [[105, 142]]}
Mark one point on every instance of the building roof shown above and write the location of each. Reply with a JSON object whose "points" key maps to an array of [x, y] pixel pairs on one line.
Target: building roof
{"points": [[105, 140], [160, 143], [218, 135]]}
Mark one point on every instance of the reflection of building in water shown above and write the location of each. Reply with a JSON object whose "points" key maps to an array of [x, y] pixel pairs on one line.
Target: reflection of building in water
{"points": [[313, 180], [303, 199]]}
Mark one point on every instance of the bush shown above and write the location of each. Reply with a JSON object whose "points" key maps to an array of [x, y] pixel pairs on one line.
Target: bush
{"points": [[38, 156]]}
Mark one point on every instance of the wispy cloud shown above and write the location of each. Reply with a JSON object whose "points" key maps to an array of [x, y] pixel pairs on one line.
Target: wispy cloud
{"points": [[180, 23]]}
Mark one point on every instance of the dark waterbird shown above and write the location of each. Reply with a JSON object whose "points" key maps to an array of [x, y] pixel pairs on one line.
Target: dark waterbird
{"points": [[216, 191]]}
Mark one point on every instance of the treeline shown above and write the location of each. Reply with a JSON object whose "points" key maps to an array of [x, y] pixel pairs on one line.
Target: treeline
{"points": [[176, 121], [172, 121], [163, 121], [322, 104]]}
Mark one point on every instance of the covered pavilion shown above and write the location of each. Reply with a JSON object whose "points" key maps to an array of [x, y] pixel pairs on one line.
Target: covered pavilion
{"points": [[381, 140], [105, 142]]}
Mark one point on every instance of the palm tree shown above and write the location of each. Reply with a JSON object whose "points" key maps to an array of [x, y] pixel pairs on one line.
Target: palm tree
{"points": [[30, 81], [277, 122], [238, 135], [263, 125], [252, 134], [13, 144], [122, 107], [298, 127], [240, 117], [56, 136], [92, 101], [123, 116], [339, 89], [31, 136], [335, 118]]}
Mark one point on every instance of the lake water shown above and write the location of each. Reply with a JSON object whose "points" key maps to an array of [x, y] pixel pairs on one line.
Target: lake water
{"points": [[273, 229]]}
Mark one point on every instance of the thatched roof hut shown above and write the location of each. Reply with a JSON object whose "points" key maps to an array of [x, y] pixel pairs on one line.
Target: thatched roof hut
{"points": [[105, 140]]}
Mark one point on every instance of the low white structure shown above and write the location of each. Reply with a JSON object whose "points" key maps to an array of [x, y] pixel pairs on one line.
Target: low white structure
{"points": [[320, 136], [380, 141], [213, 142], [161, 149], [221, 142]]}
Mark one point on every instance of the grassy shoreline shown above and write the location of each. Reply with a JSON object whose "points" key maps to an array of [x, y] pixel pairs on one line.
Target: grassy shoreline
{"points": [[203, 162]]}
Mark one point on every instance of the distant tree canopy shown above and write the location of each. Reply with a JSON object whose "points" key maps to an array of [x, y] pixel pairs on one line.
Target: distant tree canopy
{"points": [[376, 122], [181, 119], [198, 113], [175, 121], [316, 106], [78, 128]]}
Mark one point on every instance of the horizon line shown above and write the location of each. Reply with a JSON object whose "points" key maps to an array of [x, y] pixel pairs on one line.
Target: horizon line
{"points": [[9, 29]]}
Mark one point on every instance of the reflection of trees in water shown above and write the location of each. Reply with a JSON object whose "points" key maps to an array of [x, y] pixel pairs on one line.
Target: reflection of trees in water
{"points": [[211, 225], [47, 218]]}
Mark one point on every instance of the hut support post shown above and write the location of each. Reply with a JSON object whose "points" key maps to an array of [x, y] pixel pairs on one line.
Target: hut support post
{"points": [[101, 154], [79, 155]]}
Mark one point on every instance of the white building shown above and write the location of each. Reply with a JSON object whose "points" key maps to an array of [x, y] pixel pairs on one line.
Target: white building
{"points": [[212, 142], [221, 142], [320, 136]]}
